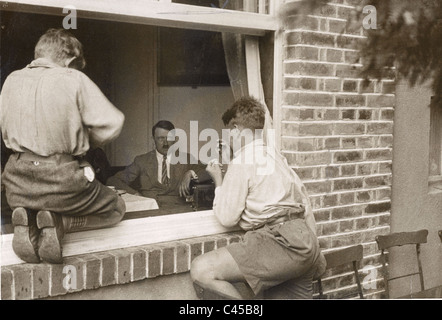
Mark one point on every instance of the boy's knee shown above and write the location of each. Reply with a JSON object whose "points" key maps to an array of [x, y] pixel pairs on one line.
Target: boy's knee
{"points": [[121, 207], [199, 269]]}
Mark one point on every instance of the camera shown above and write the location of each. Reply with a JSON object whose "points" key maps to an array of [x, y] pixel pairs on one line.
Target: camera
{"points": [[202, 194]]}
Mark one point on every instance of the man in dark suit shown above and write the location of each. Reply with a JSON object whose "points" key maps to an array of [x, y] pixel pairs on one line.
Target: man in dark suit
{"points": [[152, 174]]}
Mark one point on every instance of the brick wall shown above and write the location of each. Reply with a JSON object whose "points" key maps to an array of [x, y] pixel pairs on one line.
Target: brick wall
{"points": [[337, 135]]}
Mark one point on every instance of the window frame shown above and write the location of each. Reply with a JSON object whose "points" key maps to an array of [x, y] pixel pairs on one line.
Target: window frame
{"points": [[435, 147], [161, 14]]}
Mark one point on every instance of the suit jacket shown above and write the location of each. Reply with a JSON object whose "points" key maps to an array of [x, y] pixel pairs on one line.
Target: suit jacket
{"points": [[142, 176]]}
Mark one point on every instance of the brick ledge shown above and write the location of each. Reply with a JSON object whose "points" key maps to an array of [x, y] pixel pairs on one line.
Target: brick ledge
{"points": [[95, 270]]}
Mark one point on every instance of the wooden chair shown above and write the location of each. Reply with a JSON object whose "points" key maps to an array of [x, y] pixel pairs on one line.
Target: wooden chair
{"points": [[340, 257], [399, 239]]}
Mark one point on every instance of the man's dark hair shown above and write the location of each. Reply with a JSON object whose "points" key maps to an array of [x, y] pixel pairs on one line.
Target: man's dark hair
{"points": [[59, 45], [163, 124], [247, 112]]}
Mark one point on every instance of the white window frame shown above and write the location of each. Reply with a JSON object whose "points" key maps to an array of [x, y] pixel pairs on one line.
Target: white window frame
{"points": [[150, 230], [435, 179]]}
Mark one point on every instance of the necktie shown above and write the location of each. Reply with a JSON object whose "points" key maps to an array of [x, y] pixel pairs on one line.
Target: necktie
{"points": [[164, 178]]}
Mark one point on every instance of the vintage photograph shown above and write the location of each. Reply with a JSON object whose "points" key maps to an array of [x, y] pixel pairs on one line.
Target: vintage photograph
{"points": [[189, 150]]}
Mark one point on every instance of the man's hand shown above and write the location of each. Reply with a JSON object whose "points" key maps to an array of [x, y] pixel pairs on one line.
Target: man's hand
{"points": [[214, 168], [225, 151], [185, 182]]}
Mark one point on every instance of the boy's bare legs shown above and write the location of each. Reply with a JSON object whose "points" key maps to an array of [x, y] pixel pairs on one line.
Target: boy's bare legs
{"points": [[217, 270]]}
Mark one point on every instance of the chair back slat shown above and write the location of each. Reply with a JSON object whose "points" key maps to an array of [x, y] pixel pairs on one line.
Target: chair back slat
{"points": [[401, 238], [344, 256], [353, 255]]}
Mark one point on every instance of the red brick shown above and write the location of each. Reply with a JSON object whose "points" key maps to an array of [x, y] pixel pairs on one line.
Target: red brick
{"points": [[351, 57], [196, 249], [58, 276], [337, 26], [315, 129], [350, 86], [289, 144], [318, 187], [347, 156], [306, 114], [380, 127], [290, 114], [347, 184], [41, 280], [308, 69], [377, 181], [349, 128], [349, 100], [6, 284], [363, 196], [168, 255], [93, 272], [317, 158], [154, 263], [326, 10], [388, 87], [322, 215], [383, 194], [330, 200], [307, 173], [22, 281], [384, 220], [324, 243], [379, 154], [122, 258], [365, 114], [371, 235], [387, 114], [348, 170], [302, 22], [221, 242], [365, 142], [331, 172], [386, 142], [329, 228], [182, 257], [346, 226], [367, 87], [332, 85], [332, 143], [348, 143], [331, 114], [363, 223], [348, 114], [334, 55], [349, 42], [234, 238], [291, 99], [76, 281], [138, 264], [303, 53], [378, 207], [346, 198], [347, 240], [108, 267], [348, 71], [306, 145], [381, 101], [311, 38], [365, 169], [209, 245]]}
